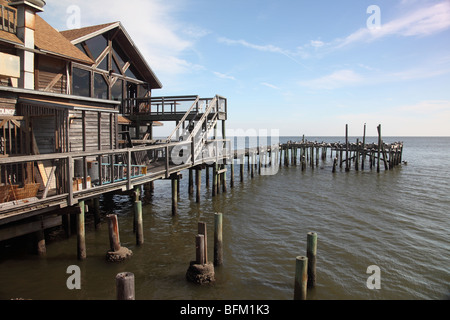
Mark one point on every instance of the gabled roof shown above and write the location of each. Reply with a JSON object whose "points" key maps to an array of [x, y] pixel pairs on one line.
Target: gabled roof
{"points": [[77, 36], [49, 40]]}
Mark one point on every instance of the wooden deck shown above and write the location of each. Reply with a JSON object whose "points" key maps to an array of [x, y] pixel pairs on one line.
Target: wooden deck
{"points": [[162, 161]]}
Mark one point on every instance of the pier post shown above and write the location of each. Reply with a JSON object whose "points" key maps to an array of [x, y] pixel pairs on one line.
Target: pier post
{"points": [[116, 253], [202, 231], [113, 228], [301, 278], [207, 177], [357, 155], [214, 189], [125, 286], [311, 252], [191, 181], [224, 178], [379, 147], [218, 241], [96, 202], [363, 148], [347, 161], [232, 173], [200, 249], [138, 222], [198, 180], [174, 179], [40, 239], [81, 237], [241, 165]]}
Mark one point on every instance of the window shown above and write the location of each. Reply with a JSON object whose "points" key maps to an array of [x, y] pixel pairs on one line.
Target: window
{"points": [[116, 91], [100, 87], [81, 82], [96, 45], [119, 55], [104, 64], [131, 72]]}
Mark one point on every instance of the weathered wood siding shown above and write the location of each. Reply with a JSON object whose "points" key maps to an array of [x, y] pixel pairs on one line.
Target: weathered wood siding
{"points": [[93, 121], [50, 75]]}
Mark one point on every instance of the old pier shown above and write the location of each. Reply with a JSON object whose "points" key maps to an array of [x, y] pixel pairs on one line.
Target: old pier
{"points": [[77, 121]]}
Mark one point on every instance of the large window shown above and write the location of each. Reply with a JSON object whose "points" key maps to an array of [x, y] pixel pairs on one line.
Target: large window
{"points": [[117, 91], [100, 87], [81, 82], [96, 45]]}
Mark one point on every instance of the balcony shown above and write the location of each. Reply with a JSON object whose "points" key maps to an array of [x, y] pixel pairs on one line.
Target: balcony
{"points": [[8, 19]]}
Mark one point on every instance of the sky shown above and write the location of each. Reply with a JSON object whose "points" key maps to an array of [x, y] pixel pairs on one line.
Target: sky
{"points": [[296, 66]]}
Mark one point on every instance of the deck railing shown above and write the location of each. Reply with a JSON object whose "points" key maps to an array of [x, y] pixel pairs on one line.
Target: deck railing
{"points": [[79, 175], [8, 19], [170, 105]]}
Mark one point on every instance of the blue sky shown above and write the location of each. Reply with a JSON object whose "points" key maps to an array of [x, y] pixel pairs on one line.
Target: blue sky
{"points": [[300, 67]]}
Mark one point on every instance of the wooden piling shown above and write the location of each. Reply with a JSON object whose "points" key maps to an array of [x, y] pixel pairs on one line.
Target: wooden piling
{"points": [[232, 174], [200, 249], [116, 253], [40, 239], [218, 241], [301, 278], [125, 287], [174, 195], [364, 148], [241, 167], [311, 252], [347, 161], [96, 202], [113, 227], [81, 237], [198, 180], [379, 147], [202, 231], [214, 189], [207, 177], [191, 182], [138, 222]]}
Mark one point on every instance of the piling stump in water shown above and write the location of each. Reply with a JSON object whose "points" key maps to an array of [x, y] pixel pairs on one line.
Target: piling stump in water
{"points": [[301, 278], [125, 286], [200, 271], [117, 253]]}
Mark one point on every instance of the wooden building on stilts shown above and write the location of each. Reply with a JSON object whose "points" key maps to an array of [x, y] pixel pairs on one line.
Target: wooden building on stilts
{"points": [[77, 119]]}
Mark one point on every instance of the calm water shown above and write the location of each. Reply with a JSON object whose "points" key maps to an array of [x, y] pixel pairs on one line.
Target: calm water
{"points": [[398, 220]]}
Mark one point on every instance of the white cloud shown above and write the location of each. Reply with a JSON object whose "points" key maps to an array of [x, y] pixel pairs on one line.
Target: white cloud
{"points": [[268, 48], [224, 76], [317, 43], [270, 85], [334, 80], [421, 22], [153, 27]]}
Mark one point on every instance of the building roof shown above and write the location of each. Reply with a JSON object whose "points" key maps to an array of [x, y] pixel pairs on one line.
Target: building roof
{"points": [[77, 36], [10, 38], [49, 40]]}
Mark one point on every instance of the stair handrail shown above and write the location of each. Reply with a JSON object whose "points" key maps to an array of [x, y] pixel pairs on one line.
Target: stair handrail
{"points": [[202, 119], [169, 138]]}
